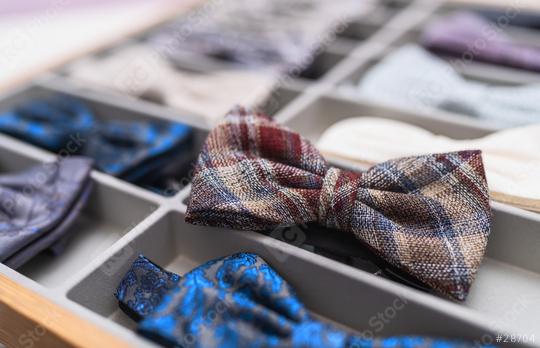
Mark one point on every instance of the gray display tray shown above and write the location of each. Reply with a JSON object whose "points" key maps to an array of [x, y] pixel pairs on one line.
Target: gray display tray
{"points": [[123, 220]]}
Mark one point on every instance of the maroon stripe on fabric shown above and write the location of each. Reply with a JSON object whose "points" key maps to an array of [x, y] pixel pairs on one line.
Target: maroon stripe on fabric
{"points": [[272, 145], [477, 157], [244, 137], [296, 148]]}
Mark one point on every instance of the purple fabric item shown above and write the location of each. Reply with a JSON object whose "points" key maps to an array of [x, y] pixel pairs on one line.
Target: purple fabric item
{"points": [[56, 239], [469, 36], [38, 205]]}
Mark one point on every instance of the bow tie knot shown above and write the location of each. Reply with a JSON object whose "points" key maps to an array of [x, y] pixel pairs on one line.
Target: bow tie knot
{"points": [[337, 197]]}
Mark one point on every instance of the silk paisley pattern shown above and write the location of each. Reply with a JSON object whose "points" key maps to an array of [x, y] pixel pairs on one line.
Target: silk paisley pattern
{"points": [[143, 288], [240, 301]]}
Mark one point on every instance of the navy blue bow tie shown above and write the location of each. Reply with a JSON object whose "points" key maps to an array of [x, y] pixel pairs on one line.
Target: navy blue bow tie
{"points": [[148, 153], [38, 206], [235, 301], [126, 149], [48, 123]]}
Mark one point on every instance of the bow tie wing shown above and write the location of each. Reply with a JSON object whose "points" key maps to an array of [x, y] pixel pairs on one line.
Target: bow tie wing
{"points": [[120, 147], [49, 123], [234, 301], [253, 174], [143, 288], [428, 215]]}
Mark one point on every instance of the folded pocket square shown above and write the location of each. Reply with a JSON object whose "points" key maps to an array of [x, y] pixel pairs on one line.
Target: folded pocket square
{"points": [[39, 205]]}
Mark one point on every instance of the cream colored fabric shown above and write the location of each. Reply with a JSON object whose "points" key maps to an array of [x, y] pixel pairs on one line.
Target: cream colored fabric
{"points": [[143, 72], [511, 157]]}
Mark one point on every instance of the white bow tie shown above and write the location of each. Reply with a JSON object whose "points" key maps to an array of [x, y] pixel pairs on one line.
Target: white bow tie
{"points": [[142, 72], [511, 157], [412, 78]]}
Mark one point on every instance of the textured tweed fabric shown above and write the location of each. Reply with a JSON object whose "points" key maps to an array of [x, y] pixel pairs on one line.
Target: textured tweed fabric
{"points": [[427, 215]]}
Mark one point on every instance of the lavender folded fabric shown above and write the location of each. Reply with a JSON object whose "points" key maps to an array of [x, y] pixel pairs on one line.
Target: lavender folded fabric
{"points": [[469, 36], [38, 206]]}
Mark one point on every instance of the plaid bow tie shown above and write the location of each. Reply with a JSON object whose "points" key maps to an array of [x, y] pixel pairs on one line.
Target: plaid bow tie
{"points": [[428, 215]]}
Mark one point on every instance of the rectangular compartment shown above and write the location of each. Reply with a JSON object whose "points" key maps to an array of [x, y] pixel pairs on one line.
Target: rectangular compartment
{"points": [[473, 72], [481, 71], [359, 30], [102, 222], [317, 116], [320, 65], [108, 108], [505, 291], [329, 289], [381, 14], [288, 87], [506, 288], [278, 100], [470, 71]]}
